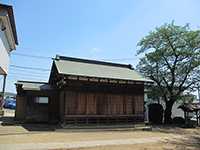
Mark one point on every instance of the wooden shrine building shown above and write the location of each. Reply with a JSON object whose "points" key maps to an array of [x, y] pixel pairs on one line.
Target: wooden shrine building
{"points": [[83, 91]]}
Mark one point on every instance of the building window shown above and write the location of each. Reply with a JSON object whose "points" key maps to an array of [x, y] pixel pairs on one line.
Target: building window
{"points": [[42, 100]]}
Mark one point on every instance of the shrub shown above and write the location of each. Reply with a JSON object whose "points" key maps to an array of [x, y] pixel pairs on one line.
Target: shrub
{"points": [[178, 120]]}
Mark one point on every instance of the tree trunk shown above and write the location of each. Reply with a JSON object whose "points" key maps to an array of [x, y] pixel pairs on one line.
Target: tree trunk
{"points": [[168, 112]]}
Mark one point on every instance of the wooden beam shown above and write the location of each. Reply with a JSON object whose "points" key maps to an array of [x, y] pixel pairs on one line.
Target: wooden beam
{"points": [[122, 82], [112, 81], [72, 77], [104, 80], [94, 79], [131, 82], [80, 116], [83, 78]]}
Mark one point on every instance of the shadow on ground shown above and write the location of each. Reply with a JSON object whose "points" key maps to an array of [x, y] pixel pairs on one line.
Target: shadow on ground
{"points": [[7, 120], [175, 129], [190, 136], [189, 143], [10, 121], [39, 127]]}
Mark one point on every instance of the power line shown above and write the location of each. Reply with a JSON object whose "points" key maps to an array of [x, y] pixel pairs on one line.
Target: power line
{"points": [[27, 71], [26, 78], [43, 57], [27, 74], [24, 74], [30, 71], [33, 56], [48, 57], [30, 68], [117, 59]]}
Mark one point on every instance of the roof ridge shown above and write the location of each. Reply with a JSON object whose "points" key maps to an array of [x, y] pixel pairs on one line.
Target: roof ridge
{"points": [[58, 57]]}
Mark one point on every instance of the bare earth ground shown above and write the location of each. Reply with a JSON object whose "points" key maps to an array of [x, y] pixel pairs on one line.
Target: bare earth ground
{"points": [[21, 137]]}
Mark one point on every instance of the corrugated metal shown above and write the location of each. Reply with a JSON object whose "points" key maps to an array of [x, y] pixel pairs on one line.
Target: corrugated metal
{"points": [[78, 68]]}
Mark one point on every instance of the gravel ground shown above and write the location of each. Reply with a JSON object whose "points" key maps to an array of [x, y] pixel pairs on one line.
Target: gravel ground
{"points": [[26, 137], [95, 140], [84, 144]]}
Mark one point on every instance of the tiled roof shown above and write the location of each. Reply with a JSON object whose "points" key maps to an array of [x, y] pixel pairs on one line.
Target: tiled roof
{"points": [[97, 69]]}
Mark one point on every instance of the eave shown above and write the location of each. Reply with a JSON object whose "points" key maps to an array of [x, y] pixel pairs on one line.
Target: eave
{"points": [[9, 12], [6, 27]]}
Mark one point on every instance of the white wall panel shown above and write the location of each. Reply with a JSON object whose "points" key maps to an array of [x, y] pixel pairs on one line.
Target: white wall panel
{"points": [[4, 56]]}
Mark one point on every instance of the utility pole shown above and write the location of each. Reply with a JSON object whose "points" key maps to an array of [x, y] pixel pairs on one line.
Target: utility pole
{"points": [[2, 96], [4, 85]]}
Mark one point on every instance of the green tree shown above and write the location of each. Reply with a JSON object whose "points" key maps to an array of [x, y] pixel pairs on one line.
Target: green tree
{"points": [[171, 58]]}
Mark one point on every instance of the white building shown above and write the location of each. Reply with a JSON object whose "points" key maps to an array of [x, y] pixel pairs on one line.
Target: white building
{"points": [[8, 38]]}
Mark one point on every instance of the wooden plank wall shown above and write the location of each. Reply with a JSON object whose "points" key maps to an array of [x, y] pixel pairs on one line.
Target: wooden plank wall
{"points": [[20, 112], [87, 103], [36, 112]]}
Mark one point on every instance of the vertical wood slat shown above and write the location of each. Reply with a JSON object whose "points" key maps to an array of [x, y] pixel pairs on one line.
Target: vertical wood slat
{"points": [[91, 104], [20, 107], [81, 108], [139, 106], [80, 103], [61, 111], [129, 105]]}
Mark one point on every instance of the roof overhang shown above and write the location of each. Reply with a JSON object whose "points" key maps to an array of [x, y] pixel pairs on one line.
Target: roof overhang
{"points": [[65, 78], [32, 86]]}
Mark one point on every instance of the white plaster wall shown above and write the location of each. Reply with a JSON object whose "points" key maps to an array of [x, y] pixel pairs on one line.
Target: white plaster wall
{"points": [[176, 112], [4, 55]]}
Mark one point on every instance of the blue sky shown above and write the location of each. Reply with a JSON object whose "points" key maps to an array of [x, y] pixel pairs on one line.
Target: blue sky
{"points": [[95, 29]]}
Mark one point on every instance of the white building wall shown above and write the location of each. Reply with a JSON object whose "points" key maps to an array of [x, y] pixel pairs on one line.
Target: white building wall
{"points": [[4, 55], [177, 112]]}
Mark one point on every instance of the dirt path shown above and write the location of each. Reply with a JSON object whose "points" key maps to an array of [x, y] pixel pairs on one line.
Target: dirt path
{"points": [[34, 137], [85, 144]]}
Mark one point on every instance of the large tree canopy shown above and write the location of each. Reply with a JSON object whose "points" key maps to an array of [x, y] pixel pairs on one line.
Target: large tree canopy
{"points": [[171, 60]]}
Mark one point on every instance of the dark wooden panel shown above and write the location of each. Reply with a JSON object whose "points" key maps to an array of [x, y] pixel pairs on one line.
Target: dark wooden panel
{"points": [[20, 112], [85, 103], [139, 104], [71, 101], [61, 104], [82, 103], [91, 104], [36, 112]]}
